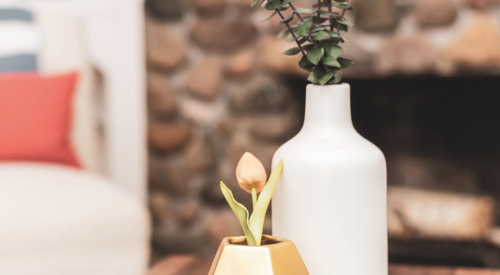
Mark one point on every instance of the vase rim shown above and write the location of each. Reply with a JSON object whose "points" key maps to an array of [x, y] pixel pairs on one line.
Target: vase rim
{"points": [[344, 84]]}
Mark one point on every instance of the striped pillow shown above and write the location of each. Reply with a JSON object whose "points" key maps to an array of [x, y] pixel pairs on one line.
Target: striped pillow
{"points": [[21, 40]]}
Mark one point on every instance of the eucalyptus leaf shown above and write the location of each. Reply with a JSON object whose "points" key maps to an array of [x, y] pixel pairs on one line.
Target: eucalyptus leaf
{"points": [[302, 40], [315, 55], [333, 34], [331, 61], [321, 35], [241, 213], [344, 22], [304, 28], [304, 10], [290, 38], [316, 74], [254, 2], [345, 63], [338, 77], [305, 64], [292, 51], [270, 16], [283, 33], [326, 77], [341, 6], [259, 213], [284, 7], [308, 47], [322, 12], [286, 19], [333, 51], [318, 28], [287, 2], [273, 5]]}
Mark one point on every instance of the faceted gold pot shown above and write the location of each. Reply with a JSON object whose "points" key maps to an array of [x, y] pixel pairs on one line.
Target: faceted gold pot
{"points": [[274, 257]]}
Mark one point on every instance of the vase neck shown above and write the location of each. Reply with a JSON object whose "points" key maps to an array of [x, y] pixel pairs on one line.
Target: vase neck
{"points": [[328, 107]]}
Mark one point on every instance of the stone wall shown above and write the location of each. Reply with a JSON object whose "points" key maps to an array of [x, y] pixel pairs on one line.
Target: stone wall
{"points": [[218, 86]]}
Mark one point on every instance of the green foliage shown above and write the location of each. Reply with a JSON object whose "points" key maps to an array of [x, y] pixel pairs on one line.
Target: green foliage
{"points": [[318, 35], [253, 225], [241, 213]]}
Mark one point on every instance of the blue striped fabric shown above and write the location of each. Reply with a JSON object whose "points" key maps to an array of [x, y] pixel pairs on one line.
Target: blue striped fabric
{"points": [[15, 14], [18, 63], [19, 36]]}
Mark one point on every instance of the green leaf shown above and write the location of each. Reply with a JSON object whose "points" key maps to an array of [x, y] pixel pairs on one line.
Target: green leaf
{"points": [[321, 35], [284, 7], [322, 12], [326, 77], [331, 61], [292, 51], [340, 27], [317, 28], [273, 4], [241, 213], [254, 2], [269, 17], [290, 38], [283, 33], [302, 40], [333, 51], [345, 63], [304, 10], [308, 47], [338, 77], [341, 6], [286, 19], [315, 55], [304, 28], [287, 2], [316, 74], [344, 22], [305, 64], [333, 34], [259, 213]]}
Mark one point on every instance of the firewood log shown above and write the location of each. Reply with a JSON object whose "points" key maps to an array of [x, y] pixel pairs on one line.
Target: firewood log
{"points": [[425, 214]]}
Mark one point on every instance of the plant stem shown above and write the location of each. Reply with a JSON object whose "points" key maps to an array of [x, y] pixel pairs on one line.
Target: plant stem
{"points": [[331, 16], [338, 28], [291, 31], [254, 198], [302, 22], [319, 13]]}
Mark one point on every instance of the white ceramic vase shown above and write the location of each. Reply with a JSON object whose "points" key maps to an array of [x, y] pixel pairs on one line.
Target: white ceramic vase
{"points": [[331, 200]]}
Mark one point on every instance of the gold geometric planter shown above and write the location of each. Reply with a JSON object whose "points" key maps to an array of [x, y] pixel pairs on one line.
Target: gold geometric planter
{"points": [[274, 257]]}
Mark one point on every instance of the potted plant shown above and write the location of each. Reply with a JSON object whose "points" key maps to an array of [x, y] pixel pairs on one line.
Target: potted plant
{"points": [[255, 253], [335, 180]]}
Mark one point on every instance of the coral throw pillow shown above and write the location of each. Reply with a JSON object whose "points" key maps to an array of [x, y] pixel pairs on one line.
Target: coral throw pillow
{"points": [[35, 118]]}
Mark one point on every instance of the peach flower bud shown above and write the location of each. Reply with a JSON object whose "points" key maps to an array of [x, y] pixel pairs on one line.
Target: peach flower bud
{"points": [[251, 173]]}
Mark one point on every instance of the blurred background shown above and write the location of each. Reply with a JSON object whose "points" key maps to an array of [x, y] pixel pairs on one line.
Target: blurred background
{"points": [[425, 89]]}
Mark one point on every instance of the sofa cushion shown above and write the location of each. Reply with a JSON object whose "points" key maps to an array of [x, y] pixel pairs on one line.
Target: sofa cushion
{"points": [[63, 217], [35, 117]]}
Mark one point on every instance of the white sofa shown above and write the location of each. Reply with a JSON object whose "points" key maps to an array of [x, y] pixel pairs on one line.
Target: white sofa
{"points": [[56, 220]]}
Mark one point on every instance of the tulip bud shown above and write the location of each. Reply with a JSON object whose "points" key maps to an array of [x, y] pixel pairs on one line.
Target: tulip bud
{"points": [[251, 173]]}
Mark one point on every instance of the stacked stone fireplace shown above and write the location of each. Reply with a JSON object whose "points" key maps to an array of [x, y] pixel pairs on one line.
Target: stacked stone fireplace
{"points": [[425, 90]]}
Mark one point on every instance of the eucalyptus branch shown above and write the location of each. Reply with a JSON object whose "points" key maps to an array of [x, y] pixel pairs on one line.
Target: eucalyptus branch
{"points": [[291, 32], [342, 18], [319, 44], [302, 22], [331, 16], [319, 13]]}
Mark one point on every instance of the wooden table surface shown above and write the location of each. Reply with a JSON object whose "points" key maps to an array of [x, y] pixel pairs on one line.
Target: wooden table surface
{"points": [[193, 265]]}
